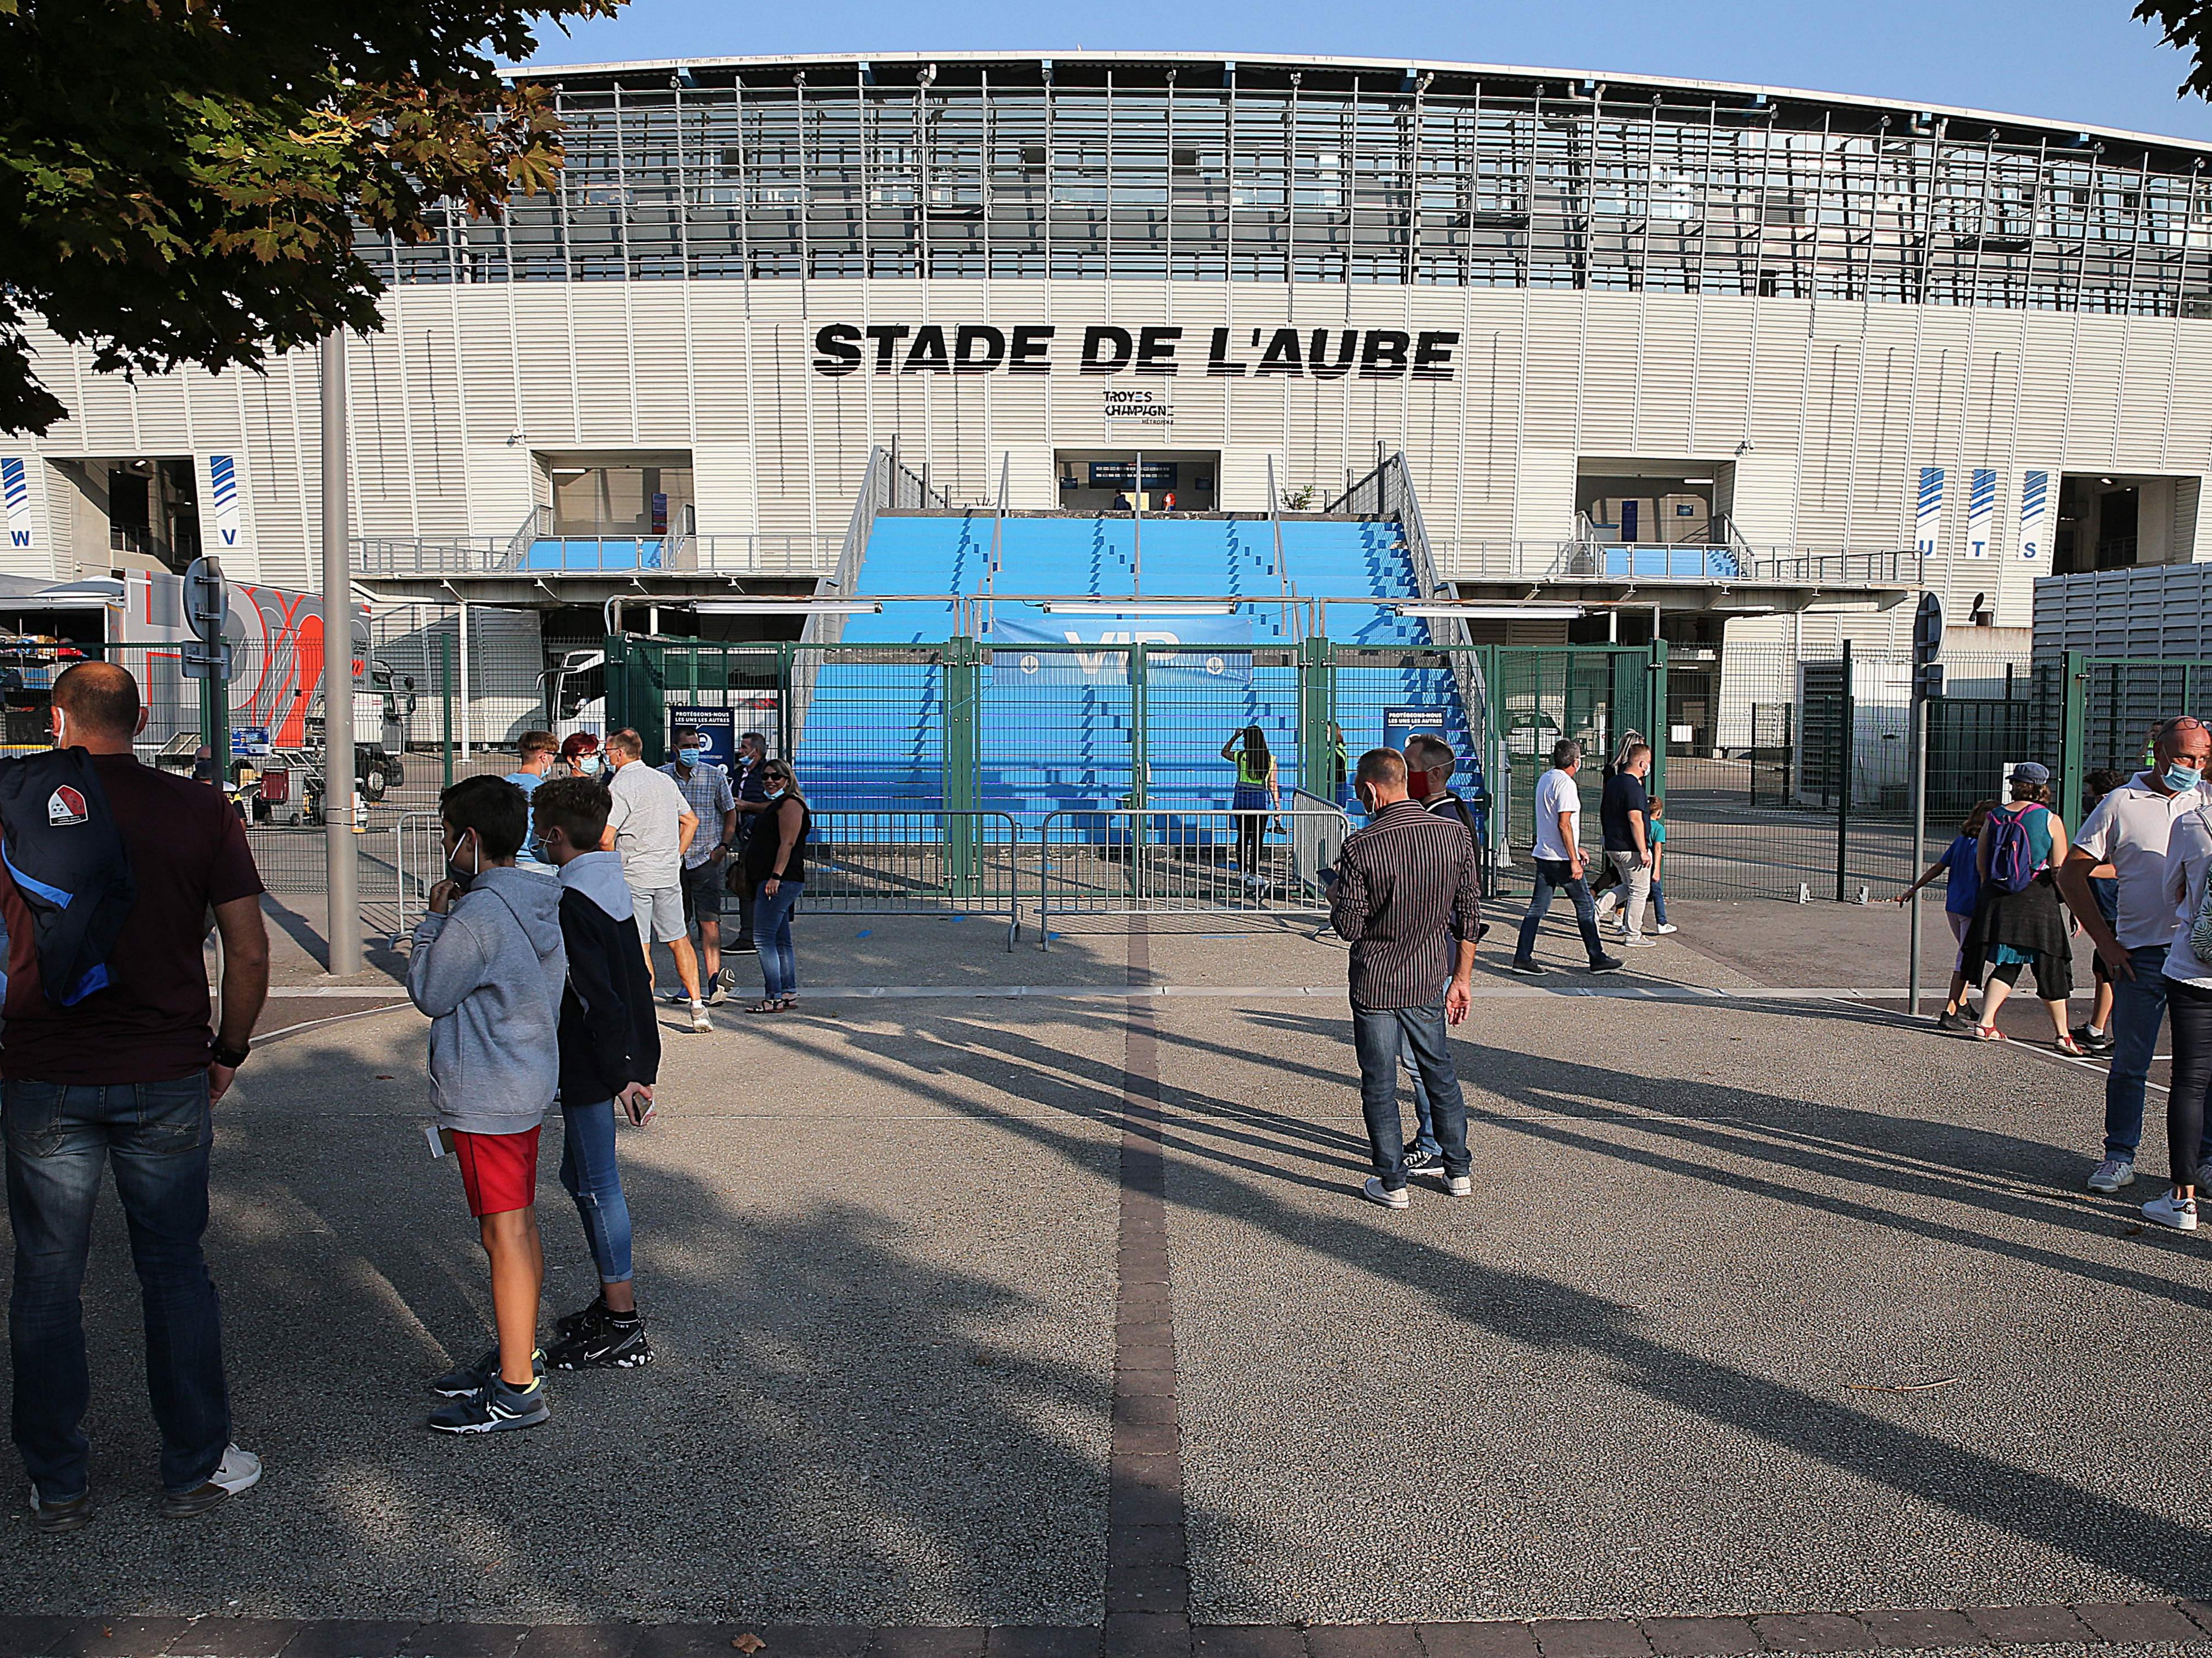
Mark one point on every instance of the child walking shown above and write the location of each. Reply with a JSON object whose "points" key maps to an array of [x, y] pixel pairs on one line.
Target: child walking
{"points": [[488, 966], [610, 1054], [1962, 892]]}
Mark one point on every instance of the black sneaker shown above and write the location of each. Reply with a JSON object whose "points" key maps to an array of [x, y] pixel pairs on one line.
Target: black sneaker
{"points": [[465, 1379], [1418, 1162], [1957, 1024], [1607, 965], [583, 1318], [743, 947], [615, 1345], [55, 1519], [494, 1408], [2093, 1041], [1517, 965]]}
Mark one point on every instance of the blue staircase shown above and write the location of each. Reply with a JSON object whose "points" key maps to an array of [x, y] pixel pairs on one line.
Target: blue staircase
{"points": [[1056, 724]]}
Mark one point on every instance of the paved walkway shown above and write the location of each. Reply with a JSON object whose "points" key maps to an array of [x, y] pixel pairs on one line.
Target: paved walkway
{"points": [[1055, 1317]]}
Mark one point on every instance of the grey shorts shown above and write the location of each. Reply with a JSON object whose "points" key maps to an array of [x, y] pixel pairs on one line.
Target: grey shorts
{"points": [[659, 914]]}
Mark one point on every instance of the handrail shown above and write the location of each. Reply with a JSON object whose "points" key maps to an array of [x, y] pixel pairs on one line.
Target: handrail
{"points": [[1290, 613], [534, 523]]}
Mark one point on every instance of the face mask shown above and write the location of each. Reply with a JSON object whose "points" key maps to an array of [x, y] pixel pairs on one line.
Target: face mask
{"points": [[689, 757], [466, 878], [1417, 784], [588, 765], [61, 729], [535, 846], [2181, 779]]}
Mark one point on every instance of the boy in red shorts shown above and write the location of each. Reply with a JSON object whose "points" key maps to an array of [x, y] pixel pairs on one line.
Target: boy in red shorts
{"points": [[488, 966]]}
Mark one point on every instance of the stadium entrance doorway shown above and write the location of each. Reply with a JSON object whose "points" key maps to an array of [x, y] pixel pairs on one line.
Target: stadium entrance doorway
{"points": [[1105, 480], [1647, 502]]}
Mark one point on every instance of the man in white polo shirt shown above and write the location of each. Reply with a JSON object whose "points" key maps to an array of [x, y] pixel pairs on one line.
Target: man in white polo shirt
{"points": [[1560, 862], [2129, 830]]}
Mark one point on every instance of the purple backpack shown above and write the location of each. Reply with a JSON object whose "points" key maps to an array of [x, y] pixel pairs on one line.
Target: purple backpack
{"points": [[2013, 862]]}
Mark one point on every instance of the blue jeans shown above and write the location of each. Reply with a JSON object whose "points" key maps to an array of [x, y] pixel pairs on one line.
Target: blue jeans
{"points": [[1425, 1126], [1557, 875], [588, 1170], [1379, 1038], [772, 936], [157, 1135], [2138, 1013], [1658, 904]]}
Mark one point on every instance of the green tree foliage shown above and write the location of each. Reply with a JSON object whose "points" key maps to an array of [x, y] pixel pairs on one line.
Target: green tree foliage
{"points": [[179, 179], [2187, 25]]}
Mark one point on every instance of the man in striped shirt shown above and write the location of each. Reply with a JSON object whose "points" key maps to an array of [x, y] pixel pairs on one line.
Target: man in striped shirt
{"points": [[1395, 890]]}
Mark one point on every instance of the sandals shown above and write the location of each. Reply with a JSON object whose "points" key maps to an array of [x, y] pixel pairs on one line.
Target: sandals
{"points": [[2068, 1046], [1988, 1033], [766, 1005]]}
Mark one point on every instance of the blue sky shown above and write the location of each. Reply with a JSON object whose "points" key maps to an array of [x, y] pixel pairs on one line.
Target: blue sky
{"points": [[2080, 60]]}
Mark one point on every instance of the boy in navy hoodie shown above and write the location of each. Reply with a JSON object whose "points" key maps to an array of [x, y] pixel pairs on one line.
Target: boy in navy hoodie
{"points": [[609, 1049]]}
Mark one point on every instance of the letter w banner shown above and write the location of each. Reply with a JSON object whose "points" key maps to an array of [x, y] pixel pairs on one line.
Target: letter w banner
{"points": [[16, 490]]}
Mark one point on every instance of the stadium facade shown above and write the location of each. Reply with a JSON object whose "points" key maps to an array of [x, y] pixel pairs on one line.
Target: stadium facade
{"points": [[1849, 347]]}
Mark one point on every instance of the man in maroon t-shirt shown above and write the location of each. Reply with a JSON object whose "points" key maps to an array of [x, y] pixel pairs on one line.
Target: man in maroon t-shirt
{"points": [[128, 1075]]}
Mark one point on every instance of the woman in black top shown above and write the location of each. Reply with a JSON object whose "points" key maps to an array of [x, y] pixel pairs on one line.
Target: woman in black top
{"points": [[775, 866]]}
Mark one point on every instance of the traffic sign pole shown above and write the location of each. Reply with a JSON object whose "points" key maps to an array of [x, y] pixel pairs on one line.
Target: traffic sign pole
{"points": [[207, 608]]}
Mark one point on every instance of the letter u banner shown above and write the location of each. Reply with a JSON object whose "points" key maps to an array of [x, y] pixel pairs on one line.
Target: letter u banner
{"points": [[15, 492], [1928, 515]]}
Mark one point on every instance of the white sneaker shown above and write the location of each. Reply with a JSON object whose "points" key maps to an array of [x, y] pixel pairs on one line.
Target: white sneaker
{"points": [[2179, 1212], [2113, 1174], [1374, 1191], [1459, 1185], [1665, 928], [700, 1021], [1637, 941], [238, 1471]]}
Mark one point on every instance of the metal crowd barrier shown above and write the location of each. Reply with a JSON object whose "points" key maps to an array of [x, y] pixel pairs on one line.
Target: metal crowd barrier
{"points": [[418, 855], [914, 863], [1163, 860]]}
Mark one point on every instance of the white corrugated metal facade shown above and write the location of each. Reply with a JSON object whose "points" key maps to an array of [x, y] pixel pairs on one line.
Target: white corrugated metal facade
{"points": [[1825, 410]]}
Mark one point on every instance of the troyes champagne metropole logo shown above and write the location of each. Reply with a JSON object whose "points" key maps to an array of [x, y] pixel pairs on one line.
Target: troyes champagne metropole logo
{"points": [[1227, 353]]}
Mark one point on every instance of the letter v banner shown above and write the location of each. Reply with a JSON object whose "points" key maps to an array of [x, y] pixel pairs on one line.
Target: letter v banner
{"points": [[223, 486]]}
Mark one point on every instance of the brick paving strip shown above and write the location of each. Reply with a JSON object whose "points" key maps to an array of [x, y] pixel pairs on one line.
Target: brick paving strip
{"points": [[1939, 1629], [1147, 1613]]}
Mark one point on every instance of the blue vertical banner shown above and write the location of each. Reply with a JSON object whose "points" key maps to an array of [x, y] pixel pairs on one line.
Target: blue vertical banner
{"points": [[222, 483], [1927, 516], [16, 491], [2034, 505], [1981, 510]]}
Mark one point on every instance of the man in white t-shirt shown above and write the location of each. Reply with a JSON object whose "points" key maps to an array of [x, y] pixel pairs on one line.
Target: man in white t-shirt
{"points": [[1560, 862], [651, 825], [2129, 830]]}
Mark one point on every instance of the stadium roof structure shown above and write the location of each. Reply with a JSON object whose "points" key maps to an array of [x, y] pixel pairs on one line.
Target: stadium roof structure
{"points": [[1789, 106]]}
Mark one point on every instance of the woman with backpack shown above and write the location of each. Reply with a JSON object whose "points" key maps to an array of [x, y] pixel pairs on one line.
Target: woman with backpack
{"points": [[2018, 919]]}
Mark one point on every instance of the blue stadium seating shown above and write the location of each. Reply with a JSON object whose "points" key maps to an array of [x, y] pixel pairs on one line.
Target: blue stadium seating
{"points": [[1055, 726]]}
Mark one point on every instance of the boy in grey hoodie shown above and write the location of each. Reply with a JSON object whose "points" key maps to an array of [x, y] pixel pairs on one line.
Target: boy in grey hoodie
{"points": [[488, 966]]}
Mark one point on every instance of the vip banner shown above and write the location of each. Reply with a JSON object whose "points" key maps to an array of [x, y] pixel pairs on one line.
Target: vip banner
{"points": [[1981, 510], [2034, 504], [1096, 647], [1927, 517]]}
